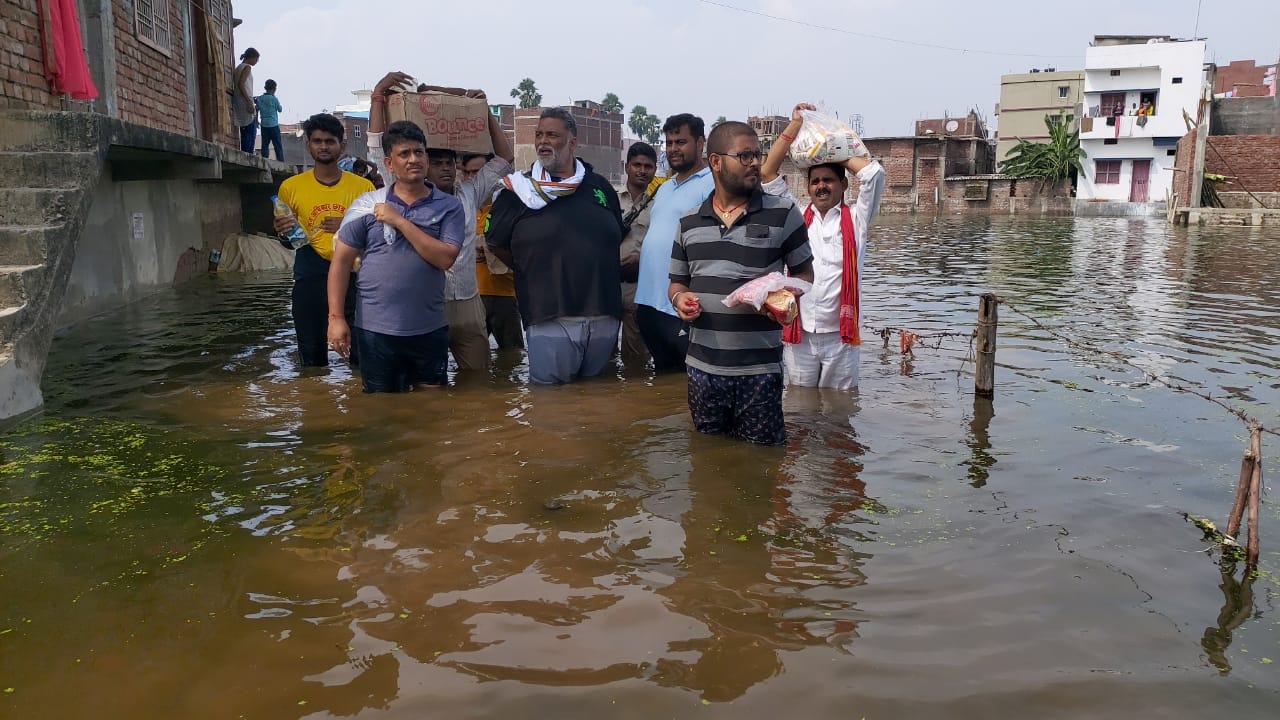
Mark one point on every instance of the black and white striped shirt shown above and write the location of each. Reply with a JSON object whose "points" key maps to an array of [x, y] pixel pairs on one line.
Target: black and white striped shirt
{"points": [[714, 260]]}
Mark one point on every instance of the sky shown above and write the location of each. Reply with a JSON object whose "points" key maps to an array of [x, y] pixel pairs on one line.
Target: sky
{"points": [[891, 61]]}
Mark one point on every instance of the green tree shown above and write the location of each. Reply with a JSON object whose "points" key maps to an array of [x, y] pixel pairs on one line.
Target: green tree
{"points": [[721, 119], [644, 123], [1052, 161], [527, 94], [611, 103]]}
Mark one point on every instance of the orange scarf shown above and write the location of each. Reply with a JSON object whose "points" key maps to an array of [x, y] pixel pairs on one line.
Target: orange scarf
{"points": [[849, 292]]}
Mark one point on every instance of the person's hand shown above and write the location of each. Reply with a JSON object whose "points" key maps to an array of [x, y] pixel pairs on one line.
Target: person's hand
{"points": [[477, 94], [331, 224], [284, 224], [339, 336], [387, 215], [795, 112], [687, 305], [392, 81]]}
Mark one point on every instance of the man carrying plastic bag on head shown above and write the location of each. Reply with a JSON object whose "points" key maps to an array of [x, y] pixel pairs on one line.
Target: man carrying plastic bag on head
{"points": [[821, 347]]}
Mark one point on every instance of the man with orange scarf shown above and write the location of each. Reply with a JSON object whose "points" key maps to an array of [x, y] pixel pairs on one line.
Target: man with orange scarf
{"points": [[821, 346]]}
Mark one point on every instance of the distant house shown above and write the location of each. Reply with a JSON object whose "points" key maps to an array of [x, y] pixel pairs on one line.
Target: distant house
{"points": [[1027, 98], [1129, 168]]}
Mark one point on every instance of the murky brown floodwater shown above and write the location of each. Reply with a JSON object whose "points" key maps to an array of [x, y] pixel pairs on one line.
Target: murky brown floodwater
{"points": [[193, 531]]}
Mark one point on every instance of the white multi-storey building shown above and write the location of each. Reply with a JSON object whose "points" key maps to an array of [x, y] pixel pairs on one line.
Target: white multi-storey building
{"points": [[1136, 89]]}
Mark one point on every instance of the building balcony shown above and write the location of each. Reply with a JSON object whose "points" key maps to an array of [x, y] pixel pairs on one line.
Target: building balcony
{"points": [[1097, 128]]}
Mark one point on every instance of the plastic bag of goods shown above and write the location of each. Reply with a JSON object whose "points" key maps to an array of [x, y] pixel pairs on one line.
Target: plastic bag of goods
{"points": [[824, 139], [775, 292]]}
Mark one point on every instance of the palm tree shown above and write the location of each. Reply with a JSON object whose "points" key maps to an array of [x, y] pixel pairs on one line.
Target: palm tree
{"points": [[1052, 161], [527, 93], [611, 103], [644, 123], [721, 119]]}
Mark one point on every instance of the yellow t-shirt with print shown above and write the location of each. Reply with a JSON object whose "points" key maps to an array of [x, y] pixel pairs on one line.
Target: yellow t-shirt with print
{"points": [[312, 202]]}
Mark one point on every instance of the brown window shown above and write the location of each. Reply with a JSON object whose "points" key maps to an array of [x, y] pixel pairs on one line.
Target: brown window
{"points": [[151, 18], [1106, 172]]}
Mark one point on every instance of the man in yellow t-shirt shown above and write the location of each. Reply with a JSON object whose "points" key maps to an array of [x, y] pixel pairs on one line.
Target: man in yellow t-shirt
{"points": [[319, 199], [498, 292]]}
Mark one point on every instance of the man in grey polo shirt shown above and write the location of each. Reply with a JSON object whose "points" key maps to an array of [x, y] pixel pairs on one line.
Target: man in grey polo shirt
{"points": [[405, 245], [737, 235]]}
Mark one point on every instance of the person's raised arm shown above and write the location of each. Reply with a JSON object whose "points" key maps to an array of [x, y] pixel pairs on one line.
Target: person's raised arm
{"points": [[501, 145], [782, 145], [378, 101]]}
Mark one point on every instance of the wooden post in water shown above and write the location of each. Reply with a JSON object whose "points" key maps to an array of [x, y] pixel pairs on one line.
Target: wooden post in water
{"points": [[1255, 496], [1248, 495], [984, 384]]}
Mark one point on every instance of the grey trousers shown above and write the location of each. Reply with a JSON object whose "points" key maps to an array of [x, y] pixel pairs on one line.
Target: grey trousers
{"points": [[568, 348]]}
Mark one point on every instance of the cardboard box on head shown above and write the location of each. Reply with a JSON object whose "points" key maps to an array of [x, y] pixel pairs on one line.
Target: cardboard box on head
{"points": [[449, 121]]}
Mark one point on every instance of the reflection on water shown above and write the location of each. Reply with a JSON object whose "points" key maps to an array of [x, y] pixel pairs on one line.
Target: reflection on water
{"points": [[194, 529]]}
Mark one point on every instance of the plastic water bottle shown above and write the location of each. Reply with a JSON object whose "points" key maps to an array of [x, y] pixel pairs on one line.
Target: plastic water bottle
{"points": [[296, 236]]}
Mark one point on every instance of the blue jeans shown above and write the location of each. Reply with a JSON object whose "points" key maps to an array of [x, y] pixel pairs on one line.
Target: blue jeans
{"points": [[568, 348], [248, 134], [271, 136]]}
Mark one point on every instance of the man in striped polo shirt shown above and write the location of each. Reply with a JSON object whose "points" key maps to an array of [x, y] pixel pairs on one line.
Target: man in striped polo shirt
{"points": [[738, 234]]}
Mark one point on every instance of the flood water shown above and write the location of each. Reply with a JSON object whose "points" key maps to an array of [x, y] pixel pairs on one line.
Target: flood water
{"points": [[194, 530]]}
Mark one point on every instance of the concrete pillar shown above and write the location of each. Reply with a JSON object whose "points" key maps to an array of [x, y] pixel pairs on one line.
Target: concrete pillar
{"points": [[100, 46]]}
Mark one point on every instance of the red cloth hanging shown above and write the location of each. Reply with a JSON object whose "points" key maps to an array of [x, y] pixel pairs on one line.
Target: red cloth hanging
{"points": [[65, 66]]}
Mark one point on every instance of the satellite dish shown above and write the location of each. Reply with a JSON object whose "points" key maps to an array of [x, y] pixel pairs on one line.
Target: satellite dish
{"points": [[952, 126]]}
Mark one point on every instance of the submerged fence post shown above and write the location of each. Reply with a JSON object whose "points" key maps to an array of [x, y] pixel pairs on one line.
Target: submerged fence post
{"points": [[1248, 496], [984, 384], [1255, 495]]}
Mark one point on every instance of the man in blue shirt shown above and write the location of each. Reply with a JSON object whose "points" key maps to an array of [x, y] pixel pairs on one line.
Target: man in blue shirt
{"points": [[664, 333], [412, 236], [269, 113]]}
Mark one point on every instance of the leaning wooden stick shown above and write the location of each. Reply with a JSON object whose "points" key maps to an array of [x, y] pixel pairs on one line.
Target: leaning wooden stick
{"points": [[1242, 492]]}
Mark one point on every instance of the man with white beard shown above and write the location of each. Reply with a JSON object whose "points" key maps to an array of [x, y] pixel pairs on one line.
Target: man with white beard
{"points": [[559, 226]]}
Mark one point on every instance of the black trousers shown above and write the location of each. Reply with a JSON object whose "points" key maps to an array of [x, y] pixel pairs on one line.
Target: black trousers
{"points": [[311, 318], [666, 336]]}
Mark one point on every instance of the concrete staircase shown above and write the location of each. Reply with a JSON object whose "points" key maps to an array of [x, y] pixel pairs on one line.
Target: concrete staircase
{"points": [[50, 164]]}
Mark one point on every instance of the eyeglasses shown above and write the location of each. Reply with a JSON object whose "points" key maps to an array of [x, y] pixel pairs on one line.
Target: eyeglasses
{"points": [[746, 157]]}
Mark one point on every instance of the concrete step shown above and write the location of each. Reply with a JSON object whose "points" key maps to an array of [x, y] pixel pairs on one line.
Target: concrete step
{"points": [[40, 131], [48, 169], [17, 282], [25, 244], [35, 205]]}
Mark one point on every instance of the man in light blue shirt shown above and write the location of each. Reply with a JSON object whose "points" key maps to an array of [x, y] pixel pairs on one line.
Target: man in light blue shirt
{"points": [[665, 334], [269, 110]]}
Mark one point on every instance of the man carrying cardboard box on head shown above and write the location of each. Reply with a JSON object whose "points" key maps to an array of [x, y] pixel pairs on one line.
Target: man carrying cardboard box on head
{"points": [[450, 131]]}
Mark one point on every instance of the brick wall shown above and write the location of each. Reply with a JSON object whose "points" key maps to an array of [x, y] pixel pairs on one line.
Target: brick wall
{"points": [[1252, 161], [1239, 72], [1008, 196], [152, 87], [22, 83]]}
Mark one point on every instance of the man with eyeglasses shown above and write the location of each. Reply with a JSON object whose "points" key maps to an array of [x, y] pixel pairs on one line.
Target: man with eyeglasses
{"points": [[665, 334], [737, 235]]}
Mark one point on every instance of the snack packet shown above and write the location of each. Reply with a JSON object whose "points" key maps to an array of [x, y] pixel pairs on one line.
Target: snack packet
{"points": [[824, 139], [775, 292]]}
